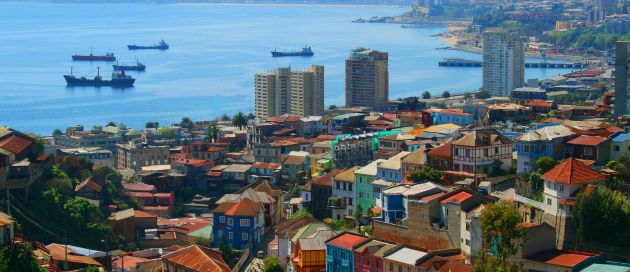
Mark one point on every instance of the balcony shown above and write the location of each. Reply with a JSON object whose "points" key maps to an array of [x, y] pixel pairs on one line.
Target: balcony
{"points": [[336, 202]]}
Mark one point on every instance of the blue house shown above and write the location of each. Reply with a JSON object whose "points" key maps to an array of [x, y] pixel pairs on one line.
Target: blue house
{"points": [[450, 116], [340, 252], [240, 223], [547, 141], [391, 169], [395, 199]]}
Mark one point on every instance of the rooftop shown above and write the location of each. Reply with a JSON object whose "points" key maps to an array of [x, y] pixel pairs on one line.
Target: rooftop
{"points": [[458, 197], [561, 258], [346, 240], [197, 258], [572, 171], [370, 169], [394, 162], [347, 175], [588, 140], [406, 255]]}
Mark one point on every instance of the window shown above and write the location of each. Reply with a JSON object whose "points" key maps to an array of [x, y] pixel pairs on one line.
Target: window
{"points": [[570, 149], [244, 223], [222, 219], [496, 150], [230, 221], [360, 194], [350, 187], [230, 235], [220, 233], [350, 201], [467, 242], [526, 148], [245, 236], [337, 185], [561, 188], [548, 201], [588, 151], [617, 148]]}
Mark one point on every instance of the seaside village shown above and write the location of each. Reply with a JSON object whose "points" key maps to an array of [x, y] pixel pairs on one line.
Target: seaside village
{"points": [[416, 184]]}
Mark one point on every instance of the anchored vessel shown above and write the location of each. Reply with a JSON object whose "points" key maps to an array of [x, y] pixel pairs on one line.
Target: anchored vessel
{"points": [[162, 45], [92, 57], [130, 67], [119, 79], [305, 52]]}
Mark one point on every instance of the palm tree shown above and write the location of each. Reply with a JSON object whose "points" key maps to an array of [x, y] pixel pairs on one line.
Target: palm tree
{"points": [[239, 120], [213, 133], [225, 117]]}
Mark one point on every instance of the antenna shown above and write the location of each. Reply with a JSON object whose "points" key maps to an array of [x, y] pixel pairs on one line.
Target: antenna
{"points": [[98, 71], [91, 51]]}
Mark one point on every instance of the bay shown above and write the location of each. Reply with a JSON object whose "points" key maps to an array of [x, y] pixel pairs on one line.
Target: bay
{"points": [[208, 71]]}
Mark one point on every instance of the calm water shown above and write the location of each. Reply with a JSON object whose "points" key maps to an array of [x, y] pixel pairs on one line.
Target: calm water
{"points": [[215, 50]]}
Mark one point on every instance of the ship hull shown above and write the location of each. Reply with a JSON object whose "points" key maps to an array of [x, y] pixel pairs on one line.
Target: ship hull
{"points": [[291, 54], [93, 58], [119, 83], [128, 68], [139, 47]]}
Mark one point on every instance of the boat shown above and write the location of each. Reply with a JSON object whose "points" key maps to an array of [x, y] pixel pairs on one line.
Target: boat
{"points": [[459, 62], [129, 67], [119, 80], [305, 52], [162, 45], [92, 57]]}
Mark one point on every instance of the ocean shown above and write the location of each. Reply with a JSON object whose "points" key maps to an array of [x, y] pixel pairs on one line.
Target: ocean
{"points": [[209, 69]]}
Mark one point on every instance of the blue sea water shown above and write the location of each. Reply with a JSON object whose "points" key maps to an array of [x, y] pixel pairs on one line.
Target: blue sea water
{"points": [[215, 50]]}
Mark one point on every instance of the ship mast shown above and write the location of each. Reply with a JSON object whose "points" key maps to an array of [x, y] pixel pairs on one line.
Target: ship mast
{"points": [[98, 71]]}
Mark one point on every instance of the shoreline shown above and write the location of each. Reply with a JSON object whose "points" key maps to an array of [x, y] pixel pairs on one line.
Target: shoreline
{"points": [[275, 4]]}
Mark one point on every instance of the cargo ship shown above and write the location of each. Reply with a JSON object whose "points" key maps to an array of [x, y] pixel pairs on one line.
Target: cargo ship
{"points": [[129, 67], [119, 80], [305, 52], [162, 45], [92, 57]]}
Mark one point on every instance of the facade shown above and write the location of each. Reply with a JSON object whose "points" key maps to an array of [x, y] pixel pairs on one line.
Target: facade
{"points": [[99, 156], [391, 169], [353, 150], [620, 146], [272, 91], [596, 148], [367, 79], [7, 229], [241, 224], [76, 137], [342, 202], [135, 156], [307, 91], [524, 95], [311, 126], [284, 91], [340, 252], [482, 151], [622, 72], [369, 255], [396, 199], [363, 178], [402, 259], [309, 252], [503, 62], [544, 142], [450, 116]]}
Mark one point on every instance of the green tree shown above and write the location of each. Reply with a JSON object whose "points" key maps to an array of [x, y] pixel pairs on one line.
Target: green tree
{"points": [[239, 120], [227, 253], [251, 116], [167, 132], [483, 95], [111, 124], [536, 185], [213, 133], [332, 107], [18, 258], [57, 132], [424, 174], [426, 95], [77, 168], [446, 94], [358, 213], [92, 268], [545, 164], [272, 264], [501, 236], [301, 213], [152, 125], [225, 118], [604, 209], [187, 123]]}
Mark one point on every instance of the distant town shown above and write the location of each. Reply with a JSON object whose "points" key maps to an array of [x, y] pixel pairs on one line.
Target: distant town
{"points": [[522, 174]]}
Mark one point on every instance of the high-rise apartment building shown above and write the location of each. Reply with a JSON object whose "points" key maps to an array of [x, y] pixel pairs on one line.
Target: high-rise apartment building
{"points": [[284, 91], [503, 62], [622, 56], [367, 79], [307, 91]]}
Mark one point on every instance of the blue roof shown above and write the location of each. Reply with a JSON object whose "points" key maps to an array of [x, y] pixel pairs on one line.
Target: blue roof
{"points": [[621, 138], [608, 267]]}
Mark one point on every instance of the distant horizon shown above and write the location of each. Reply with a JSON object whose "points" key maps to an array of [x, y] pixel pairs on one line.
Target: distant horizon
{"points": [[220, 2]]}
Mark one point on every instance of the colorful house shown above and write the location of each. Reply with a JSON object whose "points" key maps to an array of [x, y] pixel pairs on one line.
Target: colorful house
{"points": [[482, 151], [369, 255], [391, 169], [340, 252], [395, 199], [363, 179], [310, 252], [342, 202], [620, 146], [543, 142], [596, 148], [241, 224], [402, 258]]}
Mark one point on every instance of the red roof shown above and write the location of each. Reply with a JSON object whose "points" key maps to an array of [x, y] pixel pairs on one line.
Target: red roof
{"points": [[560, 258], [539, 103], [588, 140], [216, 149], [346, 240], [94, 183], [613, 129], [292, 119], [572, 171], [143, 214], [275, 119], [138, 187], [214, 174], [326, 137], [198, 258], [459, 197], [441, 151], [195, 163], [455, 112], [244, 207], [15, 144]]}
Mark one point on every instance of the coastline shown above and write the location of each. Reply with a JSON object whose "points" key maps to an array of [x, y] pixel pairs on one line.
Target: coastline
{"points": [[276, 4]]}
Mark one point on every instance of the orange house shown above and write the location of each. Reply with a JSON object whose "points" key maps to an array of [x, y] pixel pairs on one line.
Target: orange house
{"points": [[310, 253]]}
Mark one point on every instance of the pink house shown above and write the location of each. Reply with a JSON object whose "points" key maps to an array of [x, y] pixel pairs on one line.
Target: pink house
{"points": [[368, 257]]}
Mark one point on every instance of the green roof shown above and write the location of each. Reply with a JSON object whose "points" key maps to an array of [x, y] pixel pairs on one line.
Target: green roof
{"points": [[608, 267], [205, 232], [309, 230]]}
